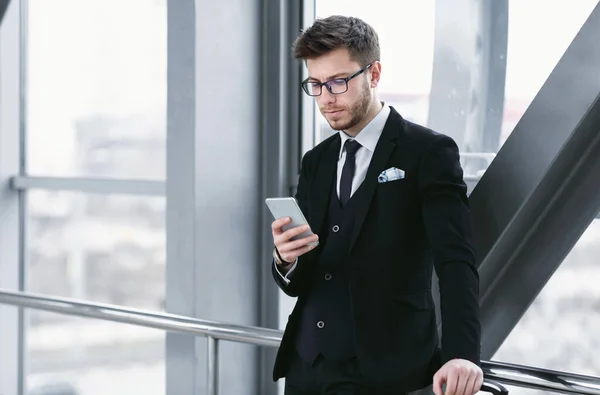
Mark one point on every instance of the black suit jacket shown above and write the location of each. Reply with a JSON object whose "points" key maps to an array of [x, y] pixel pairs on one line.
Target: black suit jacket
{"points": [[404, 229]]}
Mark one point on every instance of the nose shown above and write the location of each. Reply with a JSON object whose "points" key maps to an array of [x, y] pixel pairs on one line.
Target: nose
{"points": [[326, 97]]}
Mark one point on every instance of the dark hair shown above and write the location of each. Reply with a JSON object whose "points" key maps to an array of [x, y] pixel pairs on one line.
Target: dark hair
{"points": [[328, 34]]}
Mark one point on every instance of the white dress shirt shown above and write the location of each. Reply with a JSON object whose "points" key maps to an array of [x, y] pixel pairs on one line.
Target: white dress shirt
{"points": [[368, 138]]}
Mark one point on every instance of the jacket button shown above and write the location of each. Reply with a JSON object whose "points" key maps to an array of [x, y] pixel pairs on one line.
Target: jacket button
{"points": [[320, 324], [335, 228], [327, 276]]}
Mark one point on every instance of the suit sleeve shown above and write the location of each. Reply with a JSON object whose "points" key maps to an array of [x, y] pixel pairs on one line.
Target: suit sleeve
{"points": [[448, 227], [294, 283]]}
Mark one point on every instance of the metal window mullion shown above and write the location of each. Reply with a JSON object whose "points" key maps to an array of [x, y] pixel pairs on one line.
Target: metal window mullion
{"points": [[12, 377], [90, 185]]}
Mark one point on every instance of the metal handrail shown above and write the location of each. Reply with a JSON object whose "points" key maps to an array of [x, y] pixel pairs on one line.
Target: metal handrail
{"points": [[541, 379], [510, 374], [168, 322]]}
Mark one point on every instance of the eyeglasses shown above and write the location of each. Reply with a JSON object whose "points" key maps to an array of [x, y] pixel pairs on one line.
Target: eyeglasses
{"points": [[336, 86]]}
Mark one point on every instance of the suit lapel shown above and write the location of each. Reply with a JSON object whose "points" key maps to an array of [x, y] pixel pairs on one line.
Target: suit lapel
{"points": [[324, 181], [381, 156]]}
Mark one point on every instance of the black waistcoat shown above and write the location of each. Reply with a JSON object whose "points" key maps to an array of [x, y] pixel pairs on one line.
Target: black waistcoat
{"points": [[326, 323]]}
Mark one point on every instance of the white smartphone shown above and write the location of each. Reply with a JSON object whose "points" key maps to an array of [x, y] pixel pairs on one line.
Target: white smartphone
{"points": [[288, 207]]}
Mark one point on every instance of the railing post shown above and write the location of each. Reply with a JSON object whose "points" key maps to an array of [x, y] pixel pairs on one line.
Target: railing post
{"points": [[212, 366]]}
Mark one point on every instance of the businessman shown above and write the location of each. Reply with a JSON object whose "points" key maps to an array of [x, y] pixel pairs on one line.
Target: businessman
{"points": [[387, 203]]}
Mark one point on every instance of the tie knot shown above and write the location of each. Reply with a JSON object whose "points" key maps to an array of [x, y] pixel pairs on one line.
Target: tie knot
{"points": [[351, 147]]}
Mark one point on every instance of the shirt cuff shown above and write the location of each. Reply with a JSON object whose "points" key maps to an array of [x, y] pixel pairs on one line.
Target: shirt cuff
{"points": [[285, 277]]}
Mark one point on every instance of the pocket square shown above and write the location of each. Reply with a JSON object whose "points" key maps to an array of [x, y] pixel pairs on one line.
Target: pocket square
{"points": [[390, 174]]}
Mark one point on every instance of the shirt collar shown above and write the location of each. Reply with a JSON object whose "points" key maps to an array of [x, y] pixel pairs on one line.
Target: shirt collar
{"points": [[370, 134]]}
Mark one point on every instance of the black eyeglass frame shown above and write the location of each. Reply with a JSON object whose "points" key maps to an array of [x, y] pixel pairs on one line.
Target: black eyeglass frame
{"points": [[308, 85]]}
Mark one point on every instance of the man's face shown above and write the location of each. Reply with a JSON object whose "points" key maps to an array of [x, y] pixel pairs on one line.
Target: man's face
{"points": [[342, 111]]}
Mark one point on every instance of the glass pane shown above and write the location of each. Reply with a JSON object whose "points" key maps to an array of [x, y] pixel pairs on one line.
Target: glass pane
{"points": [[96, 88], [81, 356], [560, 329], [105, 248], [527, 69], [406, 84]]}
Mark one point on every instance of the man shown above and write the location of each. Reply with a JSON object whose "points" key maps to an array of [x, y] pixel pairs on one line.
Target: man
{"points": [[386, 200]]}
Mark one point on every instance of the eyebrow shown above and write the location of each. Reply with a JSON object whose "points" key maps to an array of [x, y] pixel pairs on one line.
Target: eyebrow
{"points": [[332, 77]]}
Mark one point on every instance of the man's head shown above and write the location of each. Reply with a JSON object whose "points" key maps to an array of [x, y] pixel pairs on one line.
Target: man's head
{"points": [[344, 53]]}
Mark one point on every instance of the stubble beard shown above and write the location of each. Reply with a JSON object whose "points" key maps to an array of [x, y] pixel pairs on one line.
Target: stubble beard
{"points": [[357, 112]]}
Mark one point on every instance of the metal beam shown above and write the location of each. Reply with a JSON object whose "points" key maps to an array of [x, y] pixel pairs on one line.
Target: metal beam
{"points": [[3, 8], [12, 209], [469, 69], [484, 125], [90, 185], [214, 188], [283, 124], [541, 191]]}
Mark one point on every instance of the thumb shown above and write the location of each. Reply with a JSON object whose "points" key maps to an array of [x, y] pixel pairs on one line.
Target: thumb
{"points": [[437, 384]]}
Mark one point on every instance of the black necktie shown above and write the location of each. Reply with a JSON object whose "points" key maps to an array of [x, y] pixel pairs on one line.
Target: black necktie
{"points": [[348, 171]]}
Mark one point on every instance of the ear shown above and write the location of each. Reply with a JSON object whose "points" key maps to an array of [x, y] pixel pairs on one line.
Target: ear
{"points": [[375, 71]]}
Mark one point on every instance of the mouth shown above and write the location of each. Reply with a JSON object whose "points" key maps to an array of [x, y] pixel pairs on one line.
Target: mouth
{"points": [[335, 112]]}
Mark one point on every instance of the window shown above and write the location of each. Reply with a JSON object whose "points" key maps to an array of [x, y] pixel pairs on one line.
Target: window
{"points": [[560, 328], [96, 88], [104, 248], [95, 106], [91, 357], [408, 48], [405, 84], [533, 53]]}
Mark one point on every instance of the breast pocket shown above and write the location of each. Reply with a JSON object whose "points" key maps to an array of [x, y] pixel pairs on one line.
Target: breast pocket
{"points": [[394, 184], [393, 196]]}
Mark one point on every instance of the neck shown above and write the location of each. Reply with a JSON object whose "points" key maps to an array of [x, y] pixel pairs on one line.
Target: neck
{"points": [[374, 109]]}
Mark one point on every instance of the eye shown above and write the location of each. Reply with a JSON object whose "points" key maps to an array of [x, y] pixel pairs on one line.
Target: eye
{"points": [[338, 81]]}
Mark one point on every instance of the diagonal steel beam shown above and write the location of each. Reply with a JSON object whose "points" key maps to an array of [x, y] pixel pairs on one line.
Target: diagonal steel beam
{"points": [[541, 192], [3, 8]]}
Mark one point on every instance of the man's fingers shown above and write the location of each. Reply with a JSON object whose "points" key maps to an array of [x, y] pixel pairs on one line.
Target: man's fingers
{"points": [[478, 383], [451, 382], [291, 233], [437, 384], [278, 224], [281, 240], [461, 377], [290, 256], [293, 245], [470, 384], [462, 381], [305, 249]]}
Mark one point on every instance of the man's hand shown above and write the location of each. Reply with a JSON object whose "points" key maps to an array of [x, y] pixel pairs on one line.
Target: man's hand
{"points": [[290, 250], [461, 377]]}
